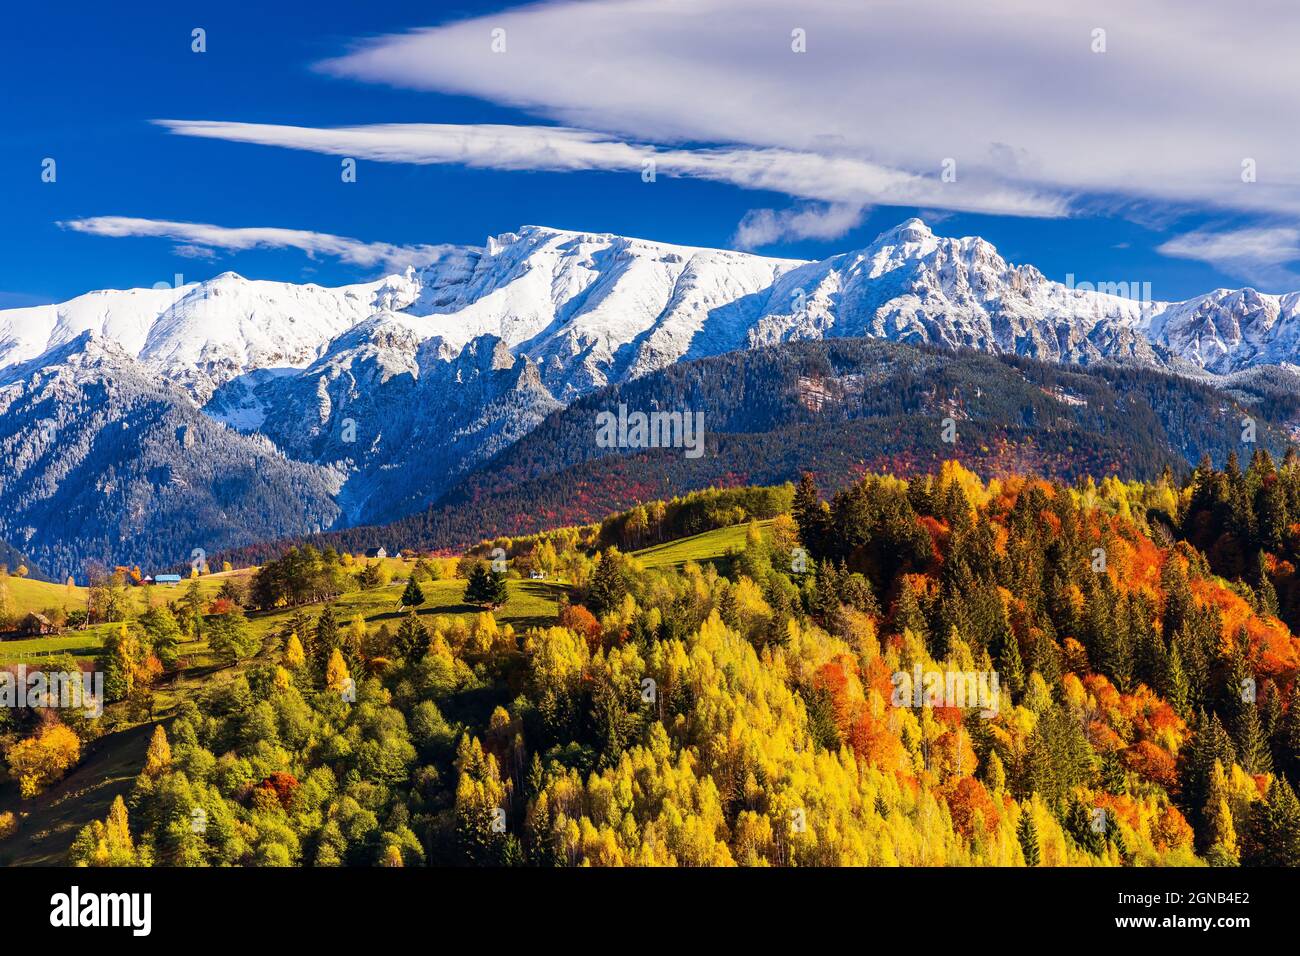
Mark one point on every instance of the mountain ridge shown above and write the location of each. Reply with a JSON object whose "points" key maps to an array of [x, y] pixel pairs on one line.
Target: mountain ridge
{"points": [[553, 293], [840, 408], [390, 393]]}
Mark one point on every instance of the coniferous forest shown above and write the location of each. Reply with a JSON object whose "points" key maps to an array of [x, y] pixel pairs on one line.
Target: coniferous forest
{"points": [[934, 671]]}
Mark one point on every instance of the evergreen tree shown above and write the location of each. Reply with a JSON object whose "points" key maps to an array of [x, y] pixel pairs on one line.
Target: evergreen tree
{"points": [[1087, 828], [1027, 835], [412, 639], [1059, 758], [325, 639], [193, 601], [486, 587], [1265, 593], [1270, 708], [994, 773], [1275, 828], [1009, 663], [856, 592], [1113, 778], [1209, 745], [368, 577], [1116, 837], [907, 612], [1252, 744], [1148, 647], [727, 607], [826, 592], [412, 596], [1174, 685], [810, 516], [1286, 738], [609, 583]]}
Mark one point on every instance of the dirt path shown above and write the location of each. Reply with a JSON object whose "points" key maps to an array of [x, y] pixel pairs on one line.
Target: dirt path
{"points": [[53, 819]]}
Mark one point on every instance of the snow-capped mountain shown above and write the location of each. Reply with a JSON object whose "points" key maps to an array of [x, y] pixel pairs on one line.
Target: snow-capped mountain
{"points": [[1229, 330], [100, 459], [591, 308], [398, 387], [204, 334], [405, 416]]}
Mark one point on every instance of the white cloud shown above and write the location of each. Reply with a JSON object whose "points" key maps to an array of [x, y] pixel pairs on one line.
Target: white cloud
{"points": [[762, 227], [200, 239], [1010, 89], [1260, 255], [188, 251], [842, 181]]}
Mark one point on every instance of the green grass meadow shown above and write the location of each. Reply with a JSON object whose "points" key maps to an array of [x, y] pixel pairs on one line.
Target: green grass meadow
{"points": [[707, 546]]}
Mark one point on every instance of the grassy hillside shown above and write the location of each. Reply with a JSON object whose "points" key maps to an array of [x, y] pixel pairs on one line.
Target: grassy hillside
{"points": [[699, 547], [531, 603], [50, 821], [27, 596]]}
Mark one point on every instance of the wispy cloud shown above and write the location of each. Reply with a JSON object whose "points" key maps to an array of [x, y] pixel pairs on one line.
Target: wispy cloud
{"points": [[1017, 92], [762, 227], [200, 240], [1264, 255], [843, 182], [190, 251]]}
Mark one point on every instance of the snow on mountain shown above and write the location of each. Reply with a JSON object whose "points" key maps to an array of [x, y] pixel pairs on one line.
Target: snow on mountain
{"points": [[203, 335], [912, 286], [593, 308], [405, 416], [400, 386], [590, 308], [104, 460], [1229, 330]]}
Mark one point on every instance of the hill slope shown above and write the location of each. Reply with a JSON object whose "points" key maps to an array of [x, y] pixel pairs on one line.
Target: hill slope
{"points": [[102, 460], [839, 408]]}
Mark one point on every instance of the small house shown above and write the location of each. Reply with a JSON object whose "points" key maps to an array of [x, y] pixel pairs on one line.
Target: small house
{"points": [[376, 553], [35, 625], [538, 575], [167, 579]]}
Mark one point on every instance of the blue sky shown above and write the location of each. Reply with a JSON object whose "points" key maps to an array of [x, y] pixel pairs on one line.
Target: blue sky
{"points": [[1114, 165]]}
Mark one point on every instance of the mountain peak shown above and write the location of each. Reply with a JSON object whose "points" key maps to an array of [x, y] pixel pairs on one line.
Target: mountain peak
{"points": [[534, 236], [909, 230]]}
